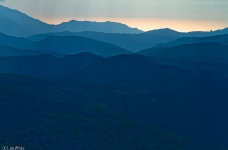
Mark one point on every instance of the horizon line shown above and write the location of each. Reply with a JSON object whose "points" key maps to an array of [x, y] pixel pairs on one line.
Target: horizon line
{"points": [[81, 20], [60, 20]]}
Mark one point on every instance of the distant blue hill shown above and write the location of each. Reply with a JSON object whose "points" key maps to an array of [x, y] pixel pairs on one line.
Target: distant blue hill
{"points": [[16, 42], [74, 44], [137, 42], [106, 27], [201, 52], [223, 39], [205, 59], [10, 51], [131, 42], [15, 23], [176, 34], [56, 46]]}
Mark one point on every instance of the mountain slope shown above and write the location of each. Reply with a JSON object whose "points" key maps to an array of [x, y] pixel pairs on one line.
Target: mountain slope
{"points": [[131, 42], [176, 34], [138, 42], [18, 24], [150, 51], [106, 27], [205, 59], [209, 33], [73, 115], [10, 51], [121, 70], [171, 98], [44, 66], [16, 42], [74, 45], [15, 23], [202, 52], [223, 39], [165, 32]]}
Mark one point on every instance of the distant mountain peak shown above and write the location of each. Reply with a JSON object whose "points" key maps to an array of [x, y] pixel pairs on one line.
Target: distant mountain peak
{"points": [[163, 29], [165, 32], [105, 27], [16, 23]]}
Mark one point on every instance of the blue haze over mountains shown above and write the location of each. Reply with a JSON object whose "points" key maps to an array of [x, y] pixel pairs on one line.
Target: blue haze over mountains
{"points": [[12, 24], [125, 37], [106, 85], [18, 24]]}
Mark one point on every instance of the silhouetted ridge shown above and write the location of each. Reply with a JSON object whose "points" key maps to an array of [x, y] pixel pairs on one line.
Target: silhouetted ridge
{"points": [[106, 27], [30, 26], [223, 39], [131, 42], [205, 59], [203, 52], [16, 42], [165, 32], [12, 24], [11, 51], [75, 44]]}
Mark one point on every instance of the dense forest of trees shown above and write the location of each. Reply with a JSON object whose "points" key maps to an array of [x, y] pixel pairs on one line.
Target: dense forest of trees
{"points": [[38, 115]]}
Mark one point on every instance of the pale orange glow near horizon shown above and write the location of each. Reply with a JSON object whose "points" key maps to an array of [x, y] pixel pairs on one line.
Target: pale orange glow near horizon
{"points": [[147, 24], [180, 15]]}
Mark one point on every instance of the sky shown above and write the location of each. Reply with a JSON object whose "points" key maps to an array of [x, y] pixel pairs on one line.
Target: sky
{"points": [[180, 15]]}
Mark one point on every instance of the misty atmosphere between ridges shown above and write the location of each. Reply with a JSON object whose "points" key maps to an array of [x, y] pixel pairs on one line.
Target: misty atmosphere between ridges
{"points": [[113, 75]]}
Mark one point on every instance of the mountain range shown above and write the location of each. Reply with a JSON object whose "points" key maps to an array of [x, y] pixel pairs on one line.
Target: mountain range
{"points": [[75, 44], [17, 42], [219, 39], [57, 46], [205, 59], [201, 52], [176, 34], [110, 32], [137, 42], [171, 106], [90, 85], [223, 39], [131, 42], [11, 51], [18, 24]]}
